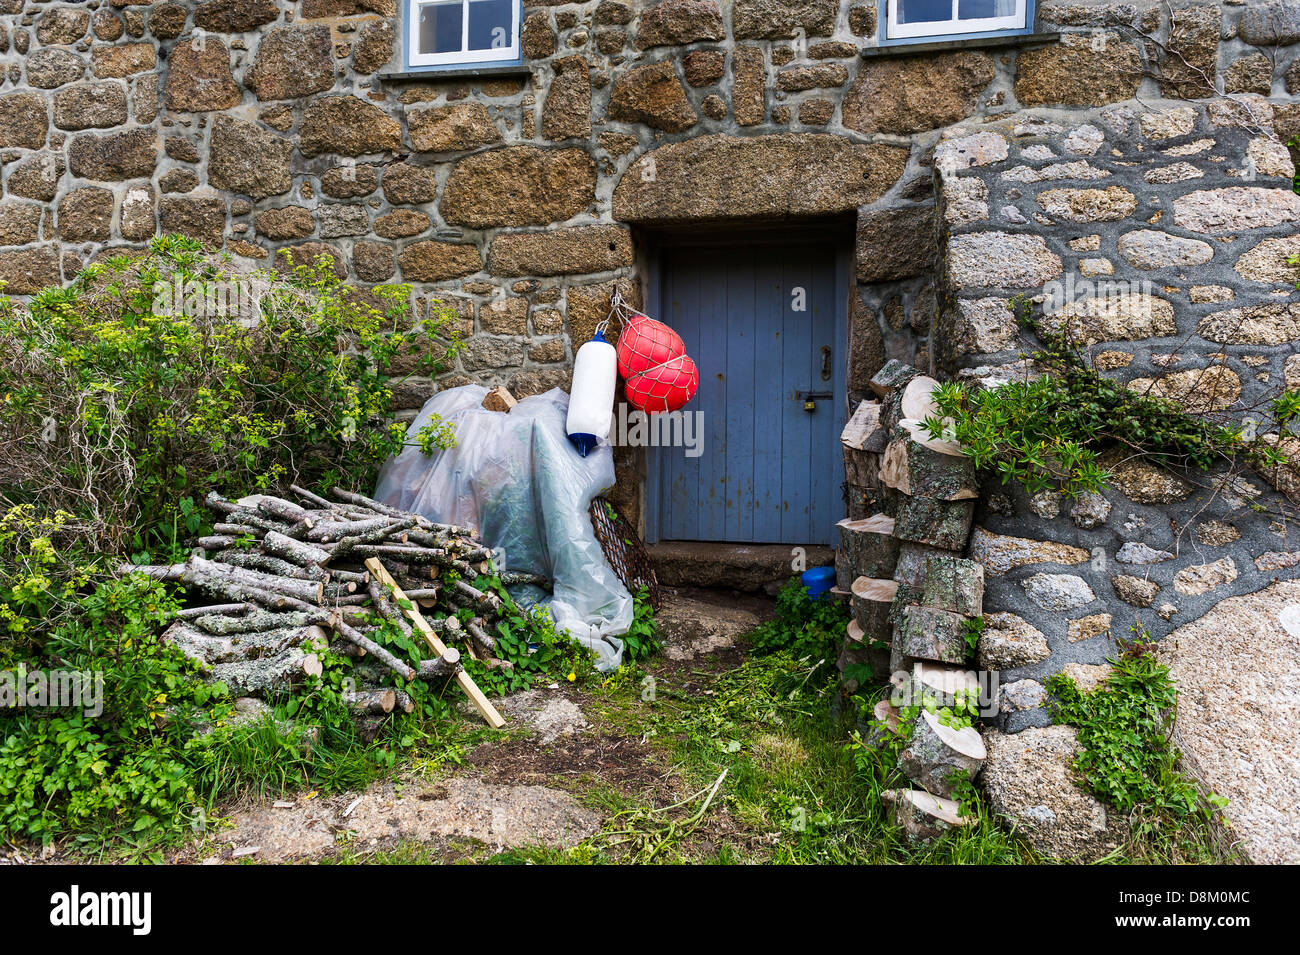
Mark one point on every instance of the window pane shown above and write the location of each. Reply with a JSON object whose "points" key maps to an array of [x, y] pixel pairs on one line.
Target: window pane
{"points": [[983, 9], [489, 24], [440, 27], [924, 11]]}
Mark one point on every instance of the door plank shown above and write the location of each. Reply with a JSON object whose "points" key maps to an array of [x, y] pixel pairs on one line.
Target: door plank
{"points": [[746, 344]]}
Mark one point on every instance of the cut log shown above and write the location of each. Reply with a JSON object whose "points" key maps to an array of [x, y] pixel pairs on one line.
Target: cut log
{"points": [[251, 560], [923, 816], [953, 583], [354, 636], [311, 591], [942, 684], [863, 431], [193, 613], [870, 605], [887, 714], [373, 702], [311, 498], [485, 642], [337, 530], [403, 701], [937, 755], [944, 524], [894, 375], [917, 400], [875, 589], [226, 625], [499, 399], [388, 609], [294, 551], [280, 509], [862, 502], [356, 536], [367, 503], [217, 542], [512, 578], [489, 601], [861, 468], [942, 443], [913, 469], [868, 547], [441, 667], [928, 634]]}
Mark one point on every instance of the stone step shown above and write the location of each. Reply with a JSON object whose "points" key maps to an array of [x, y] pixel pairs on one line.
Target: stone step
{"points": [[749, 567]]}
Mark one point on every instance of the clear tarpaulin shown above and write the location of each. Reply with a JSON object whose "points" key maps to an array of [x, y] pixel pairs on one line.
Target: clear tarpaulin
{"points": [[517, 479]]}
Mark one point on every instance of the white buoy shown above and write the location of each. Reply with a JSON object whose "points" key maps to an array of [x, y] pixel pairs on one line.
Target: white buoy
{"points": [[591, 395]]}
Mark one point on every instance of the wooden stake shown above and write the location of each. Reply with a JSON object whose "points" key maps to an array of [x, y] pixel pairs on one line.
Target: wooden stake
{"points": [[481, 702]]}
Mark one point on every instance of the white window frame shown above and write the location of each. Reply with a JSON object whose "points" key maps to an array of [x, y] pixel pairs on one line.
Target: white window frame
{"points": [[415, 58], [951, 27]]}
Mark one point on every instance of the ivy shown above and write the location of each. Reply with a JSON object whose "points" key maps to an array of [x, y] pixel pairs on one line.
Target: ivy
{"points": [[1047, 433]]}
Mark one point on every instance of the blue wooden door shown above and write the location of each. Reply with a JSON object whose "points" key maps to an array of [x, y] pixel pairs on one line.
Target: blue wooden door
{"points": [[762, 324]]}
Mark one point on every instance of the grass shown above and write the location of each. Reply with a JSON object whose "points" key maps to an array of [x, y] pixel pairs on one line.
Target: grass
{"points": [[758, 770]]}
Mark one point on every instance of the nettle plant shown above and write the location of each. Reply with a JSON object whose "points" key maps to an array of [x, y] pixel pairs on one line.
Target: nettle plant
{"points": [[157, 376], [1047, 433]]}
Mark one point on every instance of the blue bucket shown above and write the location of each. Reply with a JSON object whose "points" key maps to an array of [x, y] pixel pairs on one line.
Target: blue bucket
{"points": [[818, 581]]}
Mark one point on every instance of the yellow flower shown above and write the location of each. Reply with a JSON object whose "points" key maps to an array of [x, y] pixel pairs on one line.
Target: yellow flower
{"points": [[572, 676]]}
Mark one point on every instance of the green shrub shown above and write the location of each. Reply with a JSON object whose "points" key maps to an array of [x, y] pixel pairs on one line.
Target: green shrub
{"points": [[1047, 433], [1124, 729], [161, 375], [804, 626]]}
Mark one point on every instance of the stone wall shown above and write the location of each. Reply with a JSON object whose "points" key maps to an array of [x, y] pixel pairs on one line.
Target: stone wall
{"points": [[1158, 239]]}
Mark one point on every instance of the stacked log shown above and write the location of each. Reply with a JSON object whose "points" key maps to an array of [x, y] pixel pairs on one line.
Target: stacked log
{"points": [[292, 583], [908, 554]]}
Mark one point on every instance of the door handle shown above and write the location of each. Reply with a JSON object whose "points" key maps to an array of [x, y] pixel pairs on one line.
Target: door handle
{"points": [[826, 363]]}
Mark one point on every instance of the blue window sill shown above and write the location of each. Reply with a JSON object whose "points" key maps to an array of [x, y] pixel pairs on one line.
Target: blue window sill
{"points": [[914, 46]]}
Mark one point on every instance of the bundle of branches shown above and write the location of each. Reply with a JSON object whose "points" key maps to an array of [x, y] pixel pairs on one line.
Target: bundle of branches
{"points": [[297, 578]]}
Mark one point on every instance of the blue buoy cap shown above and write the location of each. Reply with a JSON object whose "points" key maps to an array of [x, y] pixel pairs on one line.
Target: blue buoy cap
{"points": [[584, 442], [818, 580]]}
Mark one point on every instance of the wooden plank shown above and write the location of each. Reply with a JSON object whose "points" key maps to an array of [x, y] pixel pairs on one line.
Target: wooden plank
{"points": [[481, 702], [824, 454], [712, 403], [796, 424], [758, 440]]}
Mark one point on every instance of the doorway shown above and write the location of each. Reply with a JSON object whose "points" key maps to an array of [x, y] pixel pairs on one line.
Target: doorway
{"points": [[766, 323]]}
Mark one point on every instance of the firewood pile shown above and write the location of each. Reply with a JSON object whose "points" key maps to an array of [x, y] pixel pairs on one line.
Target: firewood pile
{"points": [[911, 506], [294, 579]]}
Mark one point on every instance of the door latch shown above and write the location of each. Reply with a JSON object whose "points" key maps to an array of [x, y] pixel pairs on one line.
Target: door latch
{"points": [[810, 398]]}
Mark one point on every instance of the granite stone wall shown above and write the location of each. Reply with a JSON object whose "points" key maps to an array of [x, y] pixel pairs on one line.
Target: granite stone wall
{"points": [[1159, 238]]}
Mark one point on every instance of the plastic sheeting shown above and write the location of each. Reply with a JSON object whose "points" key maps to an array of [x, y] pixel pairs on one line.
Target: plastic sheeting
{"points": [[518, 480]]}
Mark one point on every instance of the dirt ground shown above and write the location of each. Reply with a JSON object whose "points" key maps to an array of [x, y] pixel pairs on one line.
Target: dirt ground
{"points": [[564, 764]]}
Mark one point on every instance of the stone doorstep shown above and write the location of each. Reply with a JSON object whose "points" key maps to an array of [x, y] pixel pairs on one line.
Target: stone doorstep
{"points": [[749, 567]]}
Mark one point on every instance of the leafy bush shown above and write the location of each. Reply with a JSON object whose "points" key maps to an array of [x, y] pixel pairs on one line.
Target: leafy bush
{"points": [[1124, 728], [160, 375], [1046, 433], [69, 769], [804, 626]]}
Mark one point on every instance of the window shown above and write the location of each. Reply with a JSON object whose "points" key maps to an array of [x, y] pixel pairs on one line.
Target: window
{"points": [[462, 32], [914, 20]]}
